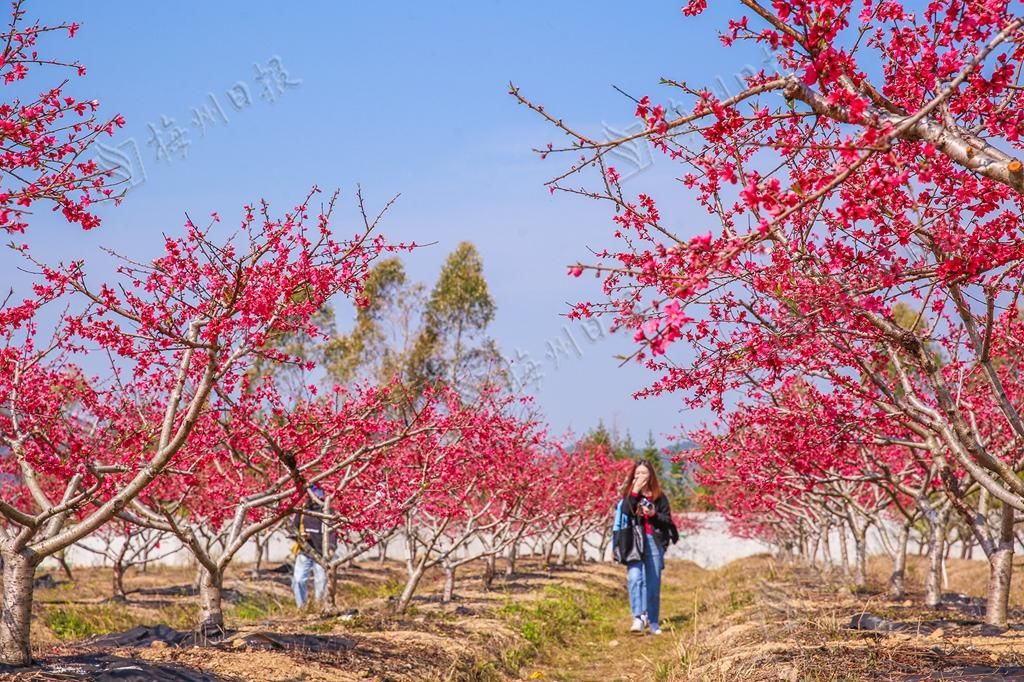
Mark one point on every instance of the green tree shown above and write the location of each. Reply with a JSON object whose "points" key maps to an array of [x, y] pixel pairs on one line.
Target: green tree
{"points": [[301, 347], [620, 447], [674, 479], [385, 332], [401, 332], [453, 344], [599, 435], [624, 448], [651, 452]]}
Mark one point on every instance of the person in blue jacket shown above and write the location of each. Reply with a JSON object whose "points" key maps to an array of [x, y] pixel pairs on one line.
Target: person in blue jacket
{"points": [[645, 504]]}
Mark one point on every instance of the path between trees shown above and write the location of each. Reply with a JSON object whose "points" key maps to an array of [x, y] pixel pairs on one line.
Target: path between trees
{"points": [[605, 651]]}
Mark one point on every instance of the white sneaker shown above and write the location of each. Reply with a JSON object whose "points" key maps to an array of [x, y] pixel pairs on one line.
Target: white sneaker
{"points": [[656, 631], [637, 626]]}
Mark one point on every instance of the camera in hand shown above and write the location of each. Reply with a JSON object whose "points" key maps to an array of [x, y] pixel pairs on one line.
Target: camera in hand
{"points": [[646, 505]]}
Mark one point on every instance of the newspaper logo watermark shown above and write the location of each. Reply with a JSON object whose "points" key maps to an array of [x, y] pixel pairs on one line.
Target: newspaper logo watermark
{"points": [[725, 87], [169, 141], [629, 158], [569, 344], [123, 161]]}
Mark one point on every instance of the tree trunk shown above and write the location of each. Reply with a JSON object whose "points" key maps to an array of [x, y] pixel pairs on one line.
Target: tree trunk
{"points": [[844, 552], [449, 584], [118, 582], [332, 584], [16, 614], [62, 560], [899, 567], [860, 548], [1001, 571], [604, 546], [581, 551], [410, 589], [490, 570], [260, 543], [119, 570], [814, 550], [549, 552], [382, 552], [211, 587], [826, 545], [510, 566], [563, 557], [933, 581]]}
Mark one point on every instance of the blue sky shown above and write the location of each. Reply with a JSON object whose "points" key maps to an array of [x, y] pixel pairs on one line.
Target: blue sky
{"points": [[406, 98]]}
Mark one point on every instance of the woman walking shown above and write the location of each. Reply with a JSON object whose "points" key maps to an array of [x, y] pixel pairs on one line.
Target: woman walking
{"points": [[645, 505]]}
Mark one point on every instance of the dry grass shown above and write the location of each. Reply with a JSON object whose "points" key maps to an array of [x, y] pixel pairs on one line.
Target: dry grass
{"points": [[793, 626], [484, 635], [755, 619]]}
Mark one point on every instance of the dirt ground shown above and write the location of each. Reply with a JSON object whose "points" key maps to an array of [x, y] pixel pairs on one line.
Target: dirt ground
{"points": [[564, 624], [755, 619], [767, 621]]}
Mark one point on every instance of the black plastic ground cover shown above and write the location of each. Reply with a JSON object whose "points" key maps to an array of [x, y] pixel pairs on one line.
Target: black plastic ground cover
{"points": [[287, 642], [873, 623], [974, 606], [147, 635], [144, 636], [102, 667], [973, 673], [228, 594]]}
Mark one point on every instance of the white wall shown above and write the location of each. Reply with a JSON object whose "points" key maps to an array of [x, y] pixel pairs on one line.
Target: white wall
{"points": [[712, 546]]}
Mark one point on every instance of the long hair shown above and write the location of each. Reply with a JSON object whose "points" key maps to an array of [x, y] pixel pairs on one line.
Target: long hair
{"points": [[652, 480]]}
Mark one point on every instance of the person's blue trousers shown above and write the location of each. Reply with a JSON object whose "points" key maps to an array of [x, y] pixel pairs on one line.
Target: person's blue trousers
{"points": [[304, 565], [643, 578]]}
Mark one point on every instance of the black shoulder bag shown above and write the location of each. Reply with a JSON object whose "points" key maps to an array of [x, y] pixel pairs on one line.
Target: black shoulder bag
{"points": [[628, 540]]}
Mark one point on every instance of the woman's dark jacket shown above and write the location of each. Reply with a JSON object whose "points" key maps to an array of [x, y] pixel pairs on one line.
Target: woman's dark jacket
{"points": [[662, 527]]}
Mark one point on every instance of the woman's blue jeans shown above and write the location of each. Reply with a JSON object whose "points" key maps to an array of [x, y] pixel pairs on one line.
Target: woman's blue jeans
{"points": [[643, 578]]}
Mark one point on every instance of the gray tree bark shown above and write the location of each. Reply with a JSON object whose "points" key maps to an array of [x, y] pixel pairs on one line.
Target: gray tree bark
{"points": [[563, 557], [16, 613], [826, 545], [897, 587], [860, 549], [844, 552], [410, 589], [449, 584], [490, 570], [1001, 571], [933, 580], [211, 603]]}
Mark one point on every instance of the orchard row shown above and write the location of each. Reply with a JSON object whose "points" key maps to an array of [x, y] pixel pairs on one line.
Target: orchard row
{"points": [[150, 406], [851, 308]]}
